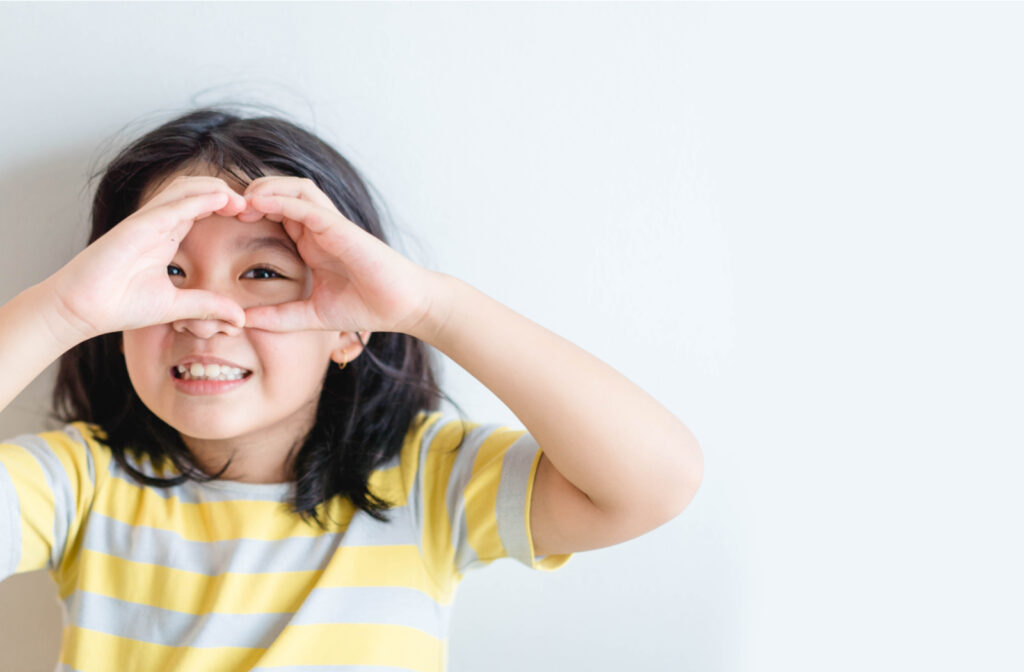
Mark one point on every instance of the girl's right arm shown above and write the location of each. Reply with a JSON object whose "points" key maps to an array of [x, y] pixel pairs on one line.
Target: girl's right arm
{"points": [[33, 334], [118, 282]]}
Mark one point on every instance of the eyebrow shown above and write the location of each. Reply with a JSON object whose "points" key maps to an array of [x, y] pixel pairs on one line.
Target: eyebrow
{"points": [[247, 244]]}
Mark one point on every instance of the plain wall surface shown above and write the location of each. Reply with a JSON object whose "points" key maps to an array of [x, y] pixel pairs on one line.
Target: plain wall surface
{"points": [[797, 226]]}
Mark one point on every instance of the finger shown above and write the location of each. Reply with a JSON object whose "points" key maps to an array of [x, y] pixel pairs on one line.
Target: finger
{"points": [[312, 216], [175, 219], [286, 185], [333, 232], [281, 185], [235, 205], [199, 304], [291, 316], [293, 229], [185, 186]]}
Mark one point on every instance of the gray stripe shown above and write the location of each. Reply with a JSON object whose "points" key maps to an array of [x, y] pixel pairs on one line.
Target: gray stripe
{"points": [[385, 605], [511, 493], [462, 472], [73, 432], [193, 492], [246, 556], [145, 623], [511, 504], [377, 605], [415, 502], [10, 524], [57, 480]]}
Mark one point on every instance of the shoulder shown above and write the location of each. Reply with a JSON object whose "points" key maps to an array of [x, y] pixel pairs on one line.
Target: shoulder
{"points": [[84, 445], [431, 431]]}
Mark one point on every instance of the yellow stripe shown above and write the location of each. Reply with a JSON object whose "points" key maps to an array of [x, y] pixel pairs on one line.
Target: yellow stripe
{"points": [[195, 593], [36, 503], [101, 455], [356, 644], [482, 496], [411, 448], [191, 592], [74, 458], [437, 532], [130, 503], [92, 651], [133, 504], [400, 566]]}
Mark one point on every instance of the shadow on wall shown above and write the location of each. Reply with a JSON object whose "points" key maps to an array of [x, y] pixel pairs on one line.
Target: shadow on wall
{"points": [[52, 204], [31, 620]]}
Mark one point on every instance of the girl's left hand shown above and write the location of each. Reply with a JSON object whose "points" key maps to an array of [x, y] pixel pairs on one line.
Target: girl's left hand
{"points": [[359, 282]]}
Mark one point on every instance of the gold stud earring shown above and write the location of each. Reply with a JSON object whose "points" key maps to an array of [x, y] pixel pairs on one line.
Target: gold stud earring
{"points": [[344, 362]]}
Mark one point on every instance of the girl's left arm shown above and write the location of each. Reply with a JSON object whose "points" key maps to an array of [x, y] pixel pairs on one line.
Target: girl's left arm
{"points": [[616, 463]]}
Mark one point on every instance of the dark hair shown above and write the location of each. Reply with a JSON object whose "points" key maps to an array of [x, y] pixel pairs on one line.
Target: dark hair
{"points": [[364, 410]]}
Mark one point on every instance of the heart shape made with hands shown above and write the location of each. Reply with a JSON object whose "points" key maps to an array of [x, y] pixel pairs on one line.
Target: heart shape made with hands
{"points": [[360, 283]]}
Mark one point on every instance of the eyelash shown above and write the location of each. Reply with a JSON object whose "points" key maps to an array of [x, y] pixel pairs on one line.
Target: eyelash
{"points": [[254, 268]]}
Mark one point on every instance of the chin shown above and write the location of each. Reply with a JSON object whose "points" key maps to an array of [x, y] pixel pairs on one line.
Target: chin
{"points": [[211, 427]]}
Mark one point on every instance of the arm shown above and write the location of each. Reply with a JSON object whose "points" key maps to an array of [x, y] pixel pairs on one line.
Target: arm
{"points": [[33, 334], [615, 463]]}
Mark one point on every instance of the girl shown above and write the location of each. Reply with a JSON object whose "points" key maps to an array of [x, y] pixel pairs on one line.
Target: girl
{"points": [[252, 471]]}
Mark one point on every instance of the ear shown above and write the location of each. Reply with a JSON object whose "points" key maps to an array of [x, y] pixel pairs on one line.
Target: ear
{"points": [[349, 347]]}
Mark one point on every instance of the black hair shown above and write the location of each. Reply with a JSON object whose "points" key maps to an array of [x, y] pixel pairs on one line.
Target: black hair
{"points": [[364, 410]]}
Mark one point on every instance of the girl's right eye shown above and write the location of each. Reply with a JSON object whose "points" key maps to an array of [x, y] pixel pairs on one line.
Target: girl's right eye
{"points": [[171, 267]]}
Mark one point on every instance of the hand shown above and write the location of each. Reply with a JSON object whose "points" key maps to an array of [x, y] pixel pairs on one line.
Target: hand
{"points": [[359, 282], [120, 281]]}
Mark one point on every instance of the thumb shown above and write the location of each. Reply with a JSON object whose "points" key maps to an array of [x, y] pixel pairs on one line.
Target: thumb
{"points": [[199, 304], [290, 316]]}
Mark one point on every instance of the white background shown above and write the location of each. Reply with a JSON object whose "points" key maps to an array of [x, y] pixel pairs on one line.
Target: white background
{"points": [[797, 226]]}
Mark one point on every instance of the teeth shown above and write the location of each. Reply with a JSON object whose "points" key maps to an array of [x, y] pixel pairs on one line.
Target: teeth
{"points": [[197, 371]]}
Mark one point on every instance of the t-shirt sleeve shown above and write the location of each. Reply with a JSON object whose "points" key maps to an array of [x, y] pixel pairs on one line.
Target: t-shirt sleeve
{"points": [[47, 482], [471, 492]]}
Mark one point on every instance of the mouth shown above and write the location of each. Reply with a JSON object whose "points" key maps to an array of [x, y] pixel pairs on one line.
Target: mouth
{"points": [[219, 374], [205, 386]]}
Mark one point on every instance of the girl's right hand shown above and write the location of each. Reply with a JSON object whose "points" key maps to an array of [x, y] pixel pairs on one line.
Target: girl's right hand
{"points": [[120, 281]]}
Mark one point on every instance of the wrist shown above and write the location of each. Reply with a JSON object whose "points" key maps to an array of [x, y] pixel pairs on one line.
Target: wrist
{"points": [[67, 329], [441, 287]]}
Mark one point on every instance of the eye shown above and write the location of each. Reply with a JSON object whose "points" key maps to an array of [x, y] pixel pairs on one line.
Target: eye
{"points": [[274, 275], [264, 269]]}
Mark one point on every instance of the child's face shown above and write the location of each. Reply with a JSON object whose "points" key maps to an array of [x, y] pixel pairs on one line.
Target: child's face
{"points": [[276, 404]]}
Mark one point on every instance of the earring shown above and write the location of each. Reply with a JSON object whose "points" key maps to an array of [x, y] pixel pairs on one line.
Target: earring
{"points": [[345, 362]]}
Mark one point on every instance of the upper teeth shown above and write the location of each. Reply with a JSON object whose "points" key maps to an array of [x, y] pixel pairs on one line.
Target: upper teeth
{"points": [[210, 372]]}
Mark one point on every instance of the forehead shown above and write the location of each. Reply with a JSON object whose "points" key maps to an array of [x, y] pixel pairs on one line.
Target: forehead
{"points": [[219, 235], [216, 237], [229, 234]]}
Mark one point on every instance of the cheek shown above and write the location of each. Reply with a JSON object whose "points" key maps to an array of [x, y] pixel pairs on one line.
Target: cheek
{"points": [[296, 354], [273, 293], [142, 349]]}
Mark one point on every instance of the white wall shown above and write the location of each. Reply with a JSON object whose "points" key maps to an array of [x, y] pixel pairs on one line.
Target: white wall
{"points": [[798, 226]]}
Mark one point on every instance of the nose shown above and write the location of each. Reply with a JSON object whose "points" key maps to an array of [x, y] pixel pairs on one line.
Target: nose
{"points": [[205, 328]]}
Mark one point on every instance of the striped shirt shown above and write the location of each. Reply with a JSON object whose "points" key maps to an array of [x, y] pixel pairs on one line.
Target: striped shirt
{"points": [[222, 576]]}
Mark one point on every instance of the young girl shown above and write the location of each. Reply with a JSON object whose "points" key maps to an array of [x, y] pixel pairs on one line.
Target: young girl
{"points": [[252, 471]]}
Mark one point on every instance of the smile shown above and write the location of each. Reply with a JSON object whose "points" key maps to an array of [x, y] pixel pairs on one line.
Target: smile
{"points": [[204, 386]]}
